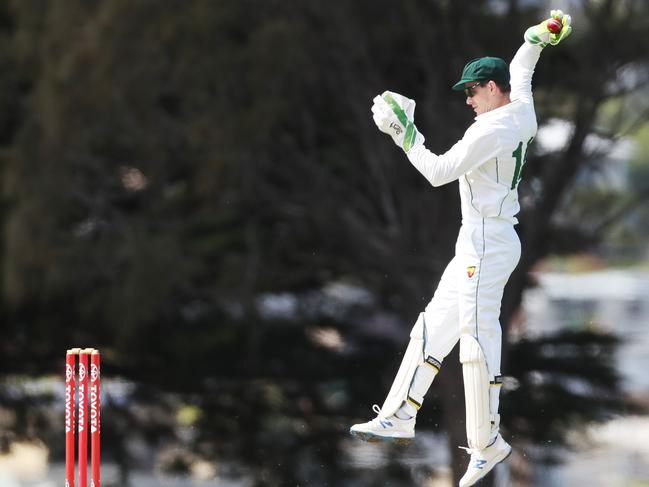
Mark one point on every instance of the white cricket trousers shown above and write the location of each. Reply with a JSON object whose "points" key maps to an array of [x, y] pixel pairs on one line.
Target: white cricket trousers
{"points": [[469, 294]]}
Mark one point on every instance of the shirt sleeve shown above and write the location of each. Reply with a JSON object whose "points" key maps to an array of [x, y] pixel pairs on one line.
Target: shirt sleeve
{"points": [[473, 150], [521, 70]]}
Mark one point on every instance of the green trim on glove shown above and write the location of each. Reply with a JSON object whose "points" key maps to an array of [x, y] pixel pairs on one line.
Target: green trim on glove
{"points": [[540, 34], [411, 131]]}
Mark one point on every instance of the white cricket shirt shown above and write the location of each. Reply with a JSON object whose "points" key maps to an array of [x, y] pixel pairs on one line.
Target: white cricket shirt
{"points": [[489, 159]]}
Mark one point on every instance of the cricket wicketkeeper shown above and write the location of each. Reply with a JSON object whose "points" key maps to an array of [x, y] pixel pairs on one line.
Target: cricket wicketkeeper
{"points": [[488, 163]]}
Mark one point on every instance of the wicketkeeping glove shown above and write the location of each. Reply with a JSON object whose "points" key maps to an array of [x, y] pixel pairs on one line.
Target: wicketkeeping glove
{"points": [[394, 115], [541, 35]]}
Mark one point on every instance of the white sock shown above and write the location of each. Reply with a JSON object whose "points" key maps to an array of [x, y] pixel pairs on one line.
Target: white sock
{"points": [[406, 411]]}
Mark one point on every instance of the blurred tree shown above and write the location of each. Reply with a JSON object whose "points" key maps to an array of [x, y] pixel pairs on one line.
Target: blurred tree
{"points": [[168, 165]]}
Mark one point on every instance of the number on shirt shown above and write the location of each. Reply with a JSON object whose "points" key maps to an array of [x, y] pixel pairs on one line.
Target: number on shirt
{"points": [[521, 158]]}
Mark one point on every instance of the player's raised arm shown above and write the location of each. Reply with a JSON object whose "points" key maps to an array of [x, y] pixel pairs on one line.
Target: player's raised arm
{"points": [[550, 31]]}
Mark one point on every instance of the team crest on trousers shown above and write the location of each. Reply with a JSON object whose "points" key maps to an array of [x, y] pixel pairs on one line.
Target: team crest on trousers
{"points": [[470, 271]]}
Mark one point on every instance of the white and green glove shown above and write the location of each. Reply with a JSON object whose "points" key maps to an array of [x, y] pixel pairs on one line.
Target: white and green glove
{"points": [[544, 33], [394, 115]]}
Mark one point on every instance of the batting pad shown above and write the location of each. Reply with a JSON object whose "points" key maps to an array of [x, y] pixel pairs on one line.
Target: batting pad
{"points": [[413, 357], [476, 392]]}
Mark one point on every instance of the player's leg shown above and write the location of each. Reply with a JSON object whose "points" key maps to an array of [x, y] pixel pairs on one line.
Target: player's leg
{"points": [[490, 253], [387, 425], [441, 333], [431, 339]]}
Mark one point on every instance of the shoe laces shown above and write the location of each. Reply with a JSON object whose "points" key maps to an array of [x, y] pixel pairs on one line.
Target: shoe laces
{"points": [[378, 418]]}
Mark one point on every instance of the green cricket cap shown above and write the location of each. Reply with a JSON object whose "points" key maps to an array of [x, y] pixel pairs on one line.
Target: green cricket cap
{"points": [[484, 69]]}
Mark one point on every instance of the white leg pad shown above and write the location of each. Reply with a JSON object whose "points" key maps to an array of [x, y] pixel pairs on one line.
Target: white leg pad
{"points": [[414, 357], [476, 392]]}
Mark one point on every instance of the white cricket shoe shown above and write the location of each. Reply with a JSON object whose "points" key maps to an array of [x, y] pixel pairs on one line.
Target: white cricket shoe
{"points": [[380, 428], [483, 461]]}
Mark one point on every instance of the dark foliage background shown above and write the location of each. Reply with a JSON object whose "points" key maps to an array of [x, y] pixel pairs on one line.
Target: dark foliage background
{"points": [[171, 170]]}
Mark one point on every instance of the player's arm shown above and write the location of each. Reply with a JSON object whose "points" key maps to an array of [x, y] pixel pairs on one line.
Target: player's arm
{"points": [[521, 69], [474, 149], [394, 114]]}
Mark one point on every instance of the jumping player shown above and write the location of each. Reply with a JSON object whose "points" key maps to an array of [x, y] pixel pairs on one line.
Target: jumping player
{"points": [[488, 163]]}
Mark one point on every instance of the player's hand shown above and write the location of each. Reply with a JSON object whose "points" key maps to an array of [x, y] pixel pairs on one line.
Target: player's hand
{"points": [[394, 114], [542, 34]]}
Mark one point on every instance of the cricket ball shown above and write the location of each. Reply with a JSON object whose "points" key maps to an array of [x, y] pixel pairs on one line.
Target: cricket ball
{"points": [[554, 26]]}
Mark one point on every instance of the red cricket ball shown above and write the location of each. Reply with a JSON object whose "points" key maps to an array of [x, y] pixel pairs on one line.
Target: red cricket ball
{"points": [[554, 26]]}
